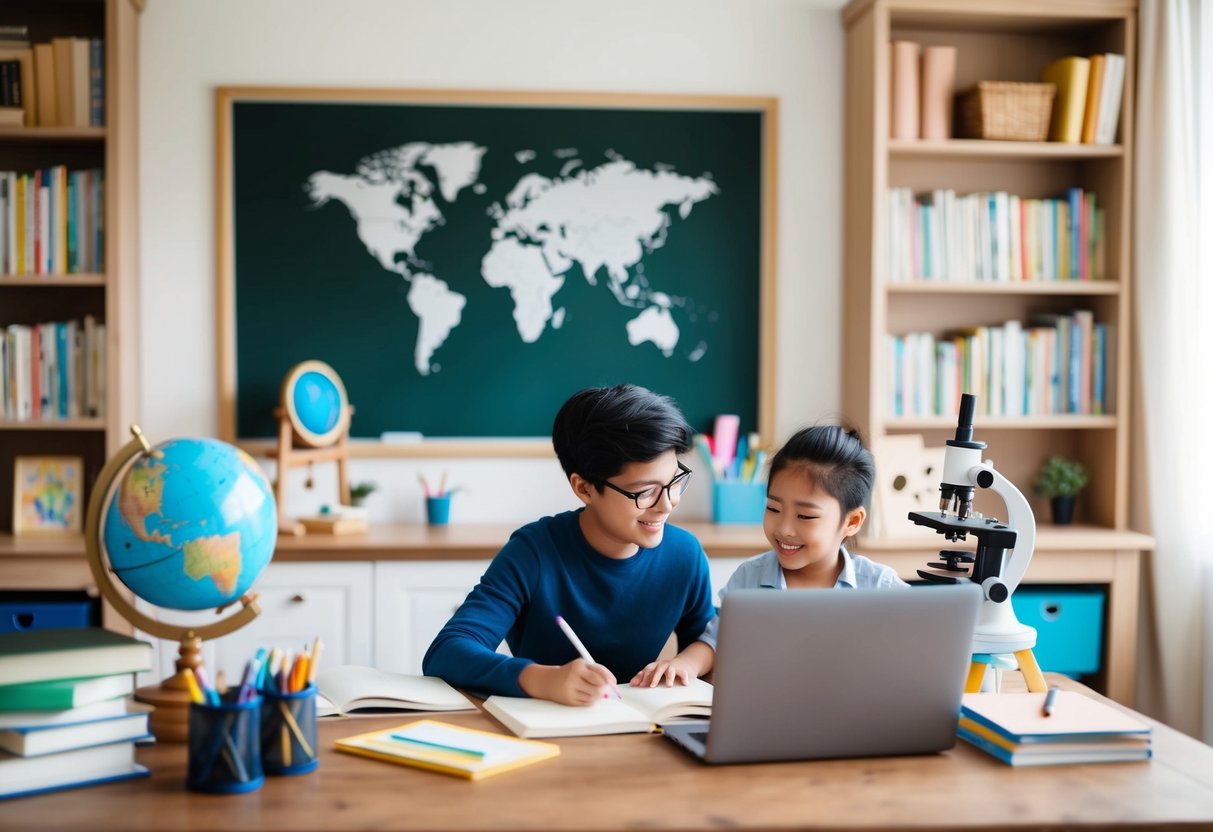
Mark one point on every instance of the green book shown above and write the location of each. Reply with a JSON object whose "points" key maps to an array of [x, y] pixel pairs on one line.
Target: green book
{"points": [[44, 655], [61, 694]]}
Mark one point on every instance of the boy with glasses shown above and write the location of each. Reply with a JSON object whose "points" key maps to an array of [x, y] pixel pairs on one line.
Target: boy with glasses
{"points": [[613, 569]]}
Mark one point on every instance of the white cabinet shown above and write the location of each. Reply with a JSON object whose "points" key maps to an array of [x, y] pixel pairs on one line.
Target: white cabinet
{"points": [[413, 600], [299, 601]]}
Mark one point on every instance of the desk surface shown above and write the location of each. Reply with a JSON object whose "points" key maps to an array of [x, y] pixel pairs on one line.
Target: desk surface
{"points": [[643, 781]]}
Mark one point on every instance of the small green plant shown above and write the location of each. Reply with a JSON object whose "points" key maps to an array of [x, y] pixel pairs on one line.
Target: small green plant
{"points": [[1061, 477], [359, 491]]}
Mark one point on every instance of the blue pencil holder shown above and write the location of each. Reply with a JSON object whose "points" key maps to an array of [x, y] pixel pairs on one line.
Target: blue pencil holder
{"points": [[438, 510], [225, 747], [288, 731], [734, 501]]}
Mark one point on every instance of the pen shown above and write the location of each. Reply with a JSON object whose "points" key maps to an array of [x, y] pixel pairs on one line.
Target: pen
{"points": [[471, 752], [580, 648], [1050, 701]]}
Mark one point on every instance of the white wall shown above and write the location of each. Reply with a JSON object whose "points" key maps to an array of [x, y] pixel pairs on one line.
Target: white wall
{"points": [[791, 50]]}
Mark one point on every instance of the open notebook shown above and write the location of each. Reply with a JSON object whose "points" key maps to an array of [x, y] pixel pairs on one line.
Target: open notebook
{"points": [[639, 711], [351, 687]]}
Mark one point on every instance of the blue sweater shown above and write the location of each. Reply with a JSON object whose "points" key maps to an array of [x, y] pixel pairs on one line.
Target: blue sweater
{"points": [[623, 610]]}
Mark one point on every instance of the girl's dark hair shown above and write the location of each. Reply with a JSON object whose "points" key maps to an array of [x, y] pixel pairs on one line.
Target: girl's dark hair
{"points": [[834, 458], [601, 429]]}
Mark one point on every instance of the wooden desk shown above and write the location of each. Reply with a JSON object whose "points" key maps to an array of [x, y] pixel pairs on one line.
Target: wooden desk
{"points": [[644, 782], [1065, 555]]}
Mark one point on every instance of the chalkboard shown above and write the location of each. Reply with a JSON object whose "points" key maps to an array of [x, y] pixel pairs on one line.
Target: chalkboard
{"points": [[466, 261]]}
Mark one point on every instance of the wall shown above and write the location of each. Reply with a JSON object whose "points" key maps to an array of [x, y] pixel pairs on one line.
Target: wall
{"points": [[791, 50]]}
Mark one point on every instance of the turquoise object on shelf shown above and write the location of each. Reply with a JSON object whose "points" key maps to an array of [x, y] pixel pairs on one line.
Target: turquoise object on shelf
{"points": [[1069, 626]]}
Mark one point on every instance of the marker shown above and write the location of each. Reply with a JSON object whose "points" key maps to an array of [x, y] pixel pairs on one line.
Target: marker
{"points": [[1050, 701], [580, 648]]}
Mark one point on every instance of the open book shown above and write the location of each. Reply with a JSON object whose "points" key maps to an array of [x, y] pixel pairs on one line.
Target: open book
{"points": [[639, 710], [350, 687]]}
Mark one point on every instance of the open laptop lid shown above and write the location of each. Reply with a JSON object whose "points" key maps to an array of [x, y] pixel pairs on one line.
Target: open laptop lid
{"points": [[808, 674]]}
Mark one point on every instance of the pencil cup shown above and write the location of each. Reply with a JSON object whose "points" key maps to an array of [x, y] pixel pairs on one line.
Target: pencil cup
{"points": [[738, 502], [288, 732], [438, 510], [225, 747]]}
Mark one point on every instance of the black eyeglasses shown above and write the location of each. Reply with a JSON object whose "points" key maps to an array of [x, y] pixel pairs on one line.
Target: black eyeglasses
{"points": [[650, 496]]}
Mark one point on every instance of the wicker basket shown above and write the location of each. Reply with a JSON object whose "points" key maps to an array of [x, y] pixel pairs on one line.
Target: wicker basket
{"points": [[1007, 110]]}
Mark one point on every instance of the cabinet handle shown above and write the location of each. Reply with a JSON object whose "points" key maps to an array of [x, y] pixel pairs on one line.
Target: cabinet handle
{"points": [[297, 598]]}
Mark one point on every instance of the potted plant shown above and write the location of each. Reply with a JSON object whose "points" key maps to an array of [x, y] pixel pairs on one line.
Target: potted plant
{"points": [[1060, 479], [359, 491]]}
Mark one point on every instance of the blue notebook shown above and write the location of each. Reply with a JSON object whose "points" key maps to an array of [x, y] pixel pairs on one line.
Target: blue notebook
{"points": [[21, 776]]}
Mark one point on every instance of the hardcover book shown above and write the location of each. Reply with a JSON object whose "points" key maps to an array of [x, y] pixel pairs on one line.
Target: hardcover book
{"points": [[43, 655], [639, 710]]}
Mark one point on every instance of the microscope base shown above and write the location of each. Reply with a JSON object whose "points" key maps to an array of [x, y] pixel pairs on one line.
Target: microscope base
{"points": [[1027, 666]]}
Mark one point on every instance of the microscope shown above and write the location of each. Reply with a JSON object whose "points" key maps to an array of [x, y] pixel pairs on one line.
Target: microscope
{"points": [[1000, 560]]}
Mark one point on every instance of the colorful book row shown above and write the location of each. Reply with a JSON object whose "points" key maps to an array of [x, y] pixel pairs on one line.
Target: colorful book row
{"points": [[1055, 364], [995, 237], [53, 370], [52, 221]]}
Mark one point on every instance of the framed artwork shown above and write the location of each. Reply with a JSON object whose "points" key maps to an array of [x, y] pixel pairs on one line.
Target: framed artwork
{"points": [[467, 260], [48, 492]]}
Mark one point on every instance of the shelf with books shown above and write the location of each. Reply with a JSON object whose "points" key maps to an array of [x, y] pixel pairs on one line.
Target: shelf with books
{"points": [[898, 190], [86, 237]]}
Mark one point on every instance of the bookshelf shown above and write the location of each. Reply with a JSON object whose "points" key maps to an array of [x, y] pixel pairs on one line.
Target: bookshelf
{"points": [[107, 293], [998, 40]]}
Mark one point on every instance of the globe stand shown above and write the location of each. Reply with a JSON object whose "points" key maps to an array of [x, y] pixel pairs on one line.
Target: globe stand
{"points": [[305, 440], [169, 722]]}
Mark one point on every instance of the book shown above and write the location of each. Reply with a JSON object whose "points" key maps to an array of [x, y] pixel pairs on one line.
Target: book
{"points": [[22, 776], [1013, 728], [36, 740], [59, 694], [42, 655], [1110, 98], [1095, 85], [904, 66], [450, 749], [63, 716], [347, 688], [938, 83], [1070, 76], [638, 711]]}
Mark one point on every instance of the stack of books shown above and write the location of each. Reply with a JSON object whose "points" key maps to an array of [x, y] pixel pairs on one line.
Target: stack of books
{"points": [[1014, 728], [66, 719]]}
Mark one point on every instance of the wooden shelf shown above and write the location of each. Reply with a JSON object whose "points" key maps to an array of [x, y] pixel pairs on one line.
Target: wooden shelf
{"points": [[428, 449], [1026, 287], [53, 134], [986, 149], [1061, 421], [51, 281], [54, 424]]}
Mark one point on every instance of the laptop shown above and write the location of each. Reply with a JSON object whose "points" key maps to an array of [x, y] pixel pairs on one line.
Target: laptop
{"points": [[817, 673]]}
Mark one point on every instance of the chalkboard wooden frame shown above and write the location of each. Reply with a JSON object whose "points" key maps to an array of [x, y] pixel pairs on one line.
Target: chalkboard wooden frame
{"points": [[226, 306]]}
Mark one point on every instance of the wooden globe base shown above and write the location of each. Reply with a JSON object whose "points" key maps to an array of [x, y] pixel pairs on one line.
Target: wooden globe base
{"points": [[170, 721]]}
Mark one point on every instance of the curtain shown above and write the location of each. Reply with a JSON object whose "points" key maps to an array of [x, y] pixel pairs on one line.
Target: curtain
{"points": [[1174, 307]]}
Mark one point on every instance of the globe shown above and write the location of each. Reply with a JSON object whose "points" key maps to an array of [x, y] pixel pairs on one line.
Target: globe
{"points": [[191, 525], [317, 402]]}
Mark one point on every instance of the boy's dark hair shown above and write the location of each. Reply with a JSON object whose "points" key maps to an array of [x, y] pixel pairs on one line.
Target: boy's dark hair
{"points": [[834, 458], [601, 429]]}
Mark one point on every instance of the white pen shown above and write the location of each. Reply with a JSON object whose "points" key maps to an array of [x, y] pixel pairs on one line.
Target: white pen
{"points": [[580, 648]]}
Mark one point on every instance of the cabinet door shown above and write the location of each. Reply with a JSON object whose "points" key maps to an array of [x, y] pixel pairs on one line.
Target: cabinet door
{"points": [[412, 603], [299, 601]]}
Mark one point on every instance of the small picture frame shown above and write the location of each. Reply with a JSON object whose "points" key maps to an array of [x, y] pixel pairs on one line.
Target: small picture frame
{"points": [[48, 492]]}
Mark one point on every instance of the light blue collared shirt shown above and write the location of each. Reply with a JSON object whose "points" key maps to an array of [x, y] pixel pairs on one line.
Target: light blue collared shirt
{"points": [[764, 572]]}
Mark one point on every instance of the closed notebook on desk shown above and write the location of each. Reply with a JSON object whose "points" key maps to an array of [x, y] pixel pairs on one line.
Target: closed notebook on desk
{"points": [[638, 711], [450, 749]]}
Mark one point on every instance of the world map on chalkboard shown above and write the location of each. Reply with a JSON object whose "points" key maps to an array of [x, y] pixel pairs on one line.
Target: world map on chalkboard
{"points": [[604, 218], [464, 267]]}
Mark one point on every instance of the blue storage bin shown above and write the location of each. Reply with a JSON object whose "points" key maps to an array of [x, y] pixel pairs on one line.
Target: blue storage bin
{"points": [[45, 611], [1069, 626], [734, 501]]}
